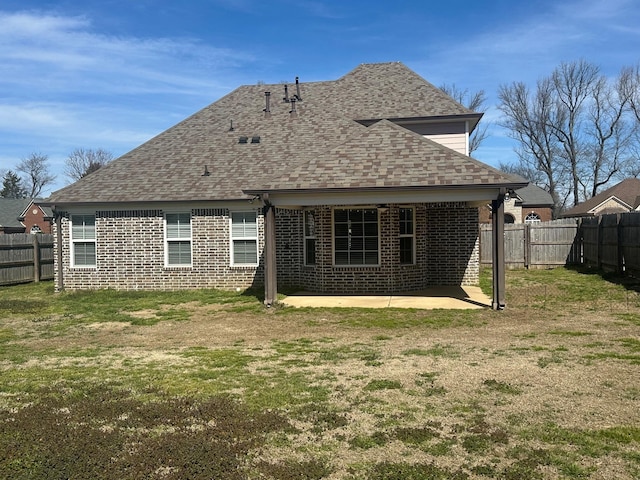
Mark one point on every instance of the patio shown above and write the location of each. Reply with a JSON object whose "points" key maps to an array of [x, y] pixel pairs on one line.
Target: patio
{"points": [[431, 298]]}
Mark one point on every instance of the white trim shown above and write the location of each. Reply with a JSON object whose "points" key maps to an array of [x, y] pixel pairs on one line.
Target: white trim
{"points": [[84, 241], [168, 240], [232, 239], [311, 236], [406, 235], [596, 209]]}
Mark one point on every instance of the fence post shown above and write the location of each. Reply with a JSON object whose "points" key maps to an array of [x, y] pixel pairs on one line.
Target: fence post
{"points": [[527, 245], [619, 237], [599, 244], [36, 258]]}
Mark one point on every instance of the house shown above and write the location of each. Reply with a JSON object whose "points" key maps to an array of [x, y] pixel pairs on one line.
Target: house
{"points": [[530, 204], [621, 198], [359, 185], [24, 215]]}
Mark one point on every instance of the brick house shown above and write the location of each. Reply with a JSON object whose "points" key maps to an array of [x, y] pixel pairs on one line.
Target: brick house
{"points": [[24, 215], [357, 185]]}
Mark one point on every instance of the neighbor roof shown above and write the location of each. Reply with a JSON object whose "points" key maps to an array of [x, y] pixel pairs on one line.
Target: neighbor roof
{"points": [[11, 209], [319, 141], [533, 195], [627, 192]]}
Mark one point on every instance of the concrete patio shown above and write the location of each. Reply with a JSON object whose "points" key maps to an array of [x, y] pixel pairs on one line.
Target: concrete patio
{"points": [[431, 298]]}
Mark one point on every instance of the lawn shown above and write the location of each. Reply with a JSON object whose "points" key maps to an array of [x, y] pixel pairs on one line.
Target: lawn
{"points": [[208, 384]]}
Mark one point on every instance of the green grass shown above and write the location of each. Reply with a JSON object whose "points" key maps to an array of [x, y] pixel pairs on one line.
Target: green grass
{"points": [[329, 397]]}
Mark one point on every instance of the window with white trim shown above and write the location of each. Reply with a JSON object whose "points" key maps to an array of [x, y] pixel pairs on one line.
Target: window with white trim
{"points": [[532, 217], [244, 238], [83, 240], [355, 236], [309, 237], [407, 236], [177, 239]]}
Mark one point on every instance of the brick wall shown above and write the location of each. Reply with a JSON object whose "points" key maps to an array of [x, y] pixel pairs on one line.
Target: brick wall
{"points": [[447, 252], [130, 253]]}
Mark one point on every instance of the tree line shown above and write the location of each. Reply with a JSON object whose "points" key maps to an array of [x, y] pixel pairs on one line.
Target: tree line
{"points": [[32, 174]]}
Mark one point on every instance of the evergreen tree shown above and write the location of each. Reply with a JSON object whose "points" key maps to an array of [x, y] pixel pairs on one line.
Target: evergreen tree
{"points": [[12, 186]]}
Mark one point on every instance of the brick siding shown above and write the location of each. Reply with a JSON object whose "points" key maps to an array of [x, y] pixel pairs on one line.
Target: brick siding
{"points": [[130, 253]]}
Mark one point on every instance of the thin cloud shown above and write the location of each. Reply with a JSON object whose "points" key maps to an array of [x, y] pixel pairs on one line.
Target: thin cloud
{"points": [[68, 54]]}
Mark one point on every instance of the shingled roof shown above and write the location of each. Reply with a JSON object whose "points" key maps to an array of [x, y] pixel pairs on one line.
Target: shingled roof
{"points": [[627, 193], [320, 140]]}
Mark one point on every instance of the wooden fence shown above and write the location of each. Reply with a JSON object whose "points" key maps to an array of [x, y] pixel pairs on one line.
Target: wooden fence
{"points": [[25, 258], [535, 245], [607, 242], [612, 243]]}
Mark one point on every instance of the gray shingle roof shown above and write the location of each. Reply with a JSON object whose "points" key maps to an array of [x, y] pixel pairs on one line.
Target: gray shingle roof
{"points": [[534, 195], [10, 210], [307, 149], [627, 191]]}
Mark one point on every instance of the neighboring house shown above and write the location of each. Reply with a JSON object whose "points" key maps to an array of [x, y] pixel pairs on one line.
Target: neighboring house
{"points": [[357, 185], [621, 198], [530, 204], [24, 215]]}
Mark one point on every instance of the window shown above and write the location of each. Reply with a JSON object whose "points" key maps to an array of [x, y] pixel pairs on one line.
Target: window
{"points": [[83, 240], [355, 236], [309, 238], [508, 218], [532, 218], [407, 236], [178, 239], [244, 238]]}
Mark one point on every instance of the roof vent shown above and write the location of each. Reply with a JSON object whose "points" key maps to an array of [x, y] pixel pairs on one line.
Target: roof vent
{"points": [[286, 94], [267, 107], [231, 126], [243, 139], [255, 139], [206, 172], [298, 89], [293, 111]]}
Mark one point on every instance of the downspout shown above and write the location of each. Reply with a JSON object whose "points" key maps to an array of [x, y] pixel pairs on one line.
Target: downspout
{"points": [[270, 269], [59, 264]]}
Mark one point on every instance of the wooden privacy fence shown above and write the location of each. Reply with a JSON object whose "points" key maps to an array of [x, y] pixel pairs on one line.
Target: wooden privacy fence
{"points": [[535, 245], [607, 242], [25, 258], [612, 242]]}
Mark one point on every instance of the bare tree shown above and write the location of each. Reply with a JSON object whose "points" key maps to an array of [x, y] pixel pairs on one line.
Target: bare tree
{"points": [[81, 162], [474, 101], [36, 173], [576, 128], [573, 84], [609, 136], [527, 117]]}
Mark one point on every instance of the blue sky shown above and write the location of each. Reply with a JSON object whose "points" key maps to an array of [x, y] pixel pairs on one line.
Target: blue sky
{"points": [[114, 73]]}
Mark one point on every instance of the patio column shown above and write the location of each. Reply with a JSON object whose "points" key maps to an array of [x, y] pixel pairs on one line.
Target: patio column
{"points": [[270, 272], [497, 225]]}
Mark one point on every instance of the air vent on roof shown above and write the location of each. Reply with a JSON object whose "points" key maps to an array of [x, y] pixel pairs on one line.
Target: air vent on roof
{"points": [[286, 93], [206, 172], [298, 89], [243, 139], [231, 126], [255, 139], [267, 107], [293, 107]]}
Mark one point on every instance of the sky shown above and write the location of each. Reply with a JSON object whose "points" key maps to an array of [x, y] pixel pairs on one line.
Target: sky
{"points": [[112, 74]]}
